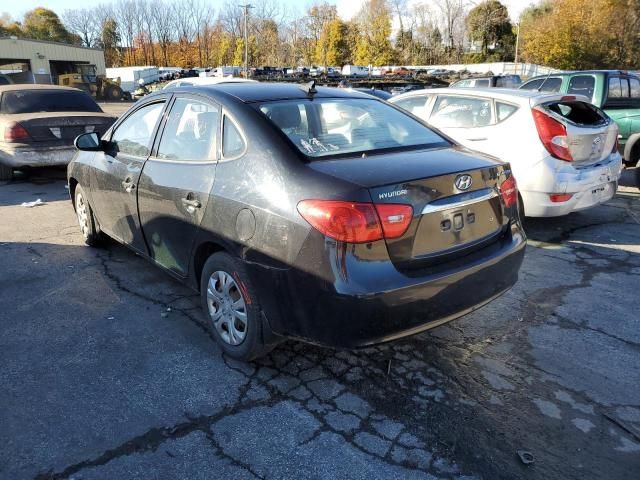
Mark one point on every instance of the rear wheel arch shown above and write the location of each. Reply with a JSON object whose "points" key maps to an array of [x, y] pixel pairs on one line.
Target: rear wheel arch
{"points": [[632, 149], [202, 253], [73, 183]]}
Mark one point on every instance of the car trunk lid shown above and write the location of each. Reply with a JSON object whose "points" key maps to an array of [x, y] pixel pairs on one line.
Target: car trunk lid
{"points": [[455, 197], [574, 130], [62, 127], [452, 212]]}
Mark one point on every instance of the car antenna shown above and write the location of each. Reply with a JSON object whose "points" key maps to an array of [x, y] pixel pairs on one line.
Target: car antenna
{"points": [[309, 88], [545, 81]]}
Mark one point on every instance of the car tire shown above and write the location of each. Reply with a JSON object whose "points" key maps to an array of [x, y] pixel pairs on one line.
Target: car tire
{"points": [[6, 173], [86, 220], [115, 93], [231, 308]]}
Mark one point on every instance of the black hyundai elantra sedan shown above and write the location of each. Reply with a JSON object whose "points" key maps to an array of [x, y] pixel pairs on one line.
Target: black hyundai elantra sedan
{"points": [[323, 215]]}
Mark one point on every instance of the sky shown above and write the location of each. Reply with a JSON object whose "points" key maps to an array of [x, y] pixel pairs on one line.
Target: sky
{"points": [[346, 8]]}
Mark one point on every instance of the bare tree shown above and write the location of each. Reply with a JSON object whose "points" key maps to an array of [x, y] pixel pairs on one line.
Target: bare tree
{"points": [[125, 12], [453, 16], [162, 22], [83, 22]]}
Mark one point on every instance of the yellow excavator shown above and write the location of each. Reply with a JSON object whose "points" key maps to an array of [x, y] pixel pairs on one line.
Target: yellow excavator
{"points": [[98, 86]]}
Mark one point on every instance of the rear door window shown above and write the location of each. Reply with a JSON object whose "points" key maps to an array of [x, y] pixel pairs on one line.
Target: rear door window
{"points": [[417, 105], [618, 87], [634, 84], [551, 84], [509, 81], [190, 133], [504, 110], [582, 85], [232, 141], [481, 83], [456, 112], [133, 135]]}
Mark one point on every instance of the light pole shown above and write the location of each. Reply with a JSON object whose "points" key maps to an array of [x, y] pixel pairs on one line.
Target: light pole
{"points": [[246, 8]]}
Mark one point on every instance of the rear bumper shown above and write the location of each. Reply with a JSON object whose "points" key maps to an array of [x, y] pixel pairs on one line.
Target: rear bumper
{"points": [[371, 302], [18, 156], [589, 186]]}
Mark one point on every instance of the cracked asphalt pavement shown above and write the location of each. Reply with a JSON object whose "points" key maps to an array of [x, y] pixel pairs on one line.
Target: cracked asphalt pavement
{"points": [[108, 373]]}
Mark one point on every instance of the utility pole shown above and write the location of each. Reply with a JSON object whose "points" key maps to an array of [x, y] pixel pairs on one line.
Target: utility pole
{"points": [[517, 42], [246, 8]]}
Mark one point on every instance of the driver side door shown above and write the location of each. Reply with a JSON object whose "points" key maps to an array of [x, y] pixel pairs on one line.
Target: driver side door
{"points": [[117, 170]]}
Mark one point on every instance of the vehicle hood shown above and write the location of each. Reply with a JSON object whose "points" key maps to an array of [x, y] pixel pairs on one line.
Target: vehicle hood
{"points": [[390, 168]]}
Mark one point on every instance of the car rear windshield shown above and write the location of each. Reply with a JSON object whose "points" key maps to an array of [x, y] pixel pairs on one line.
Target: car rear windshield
{"points": [[580, 113], [325, 127], [34, 101]]}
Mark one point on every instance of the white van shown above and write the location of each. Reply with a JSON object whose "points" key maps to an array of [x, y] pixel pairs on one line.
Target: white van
{"points": [[355, 71], [227, 71]]}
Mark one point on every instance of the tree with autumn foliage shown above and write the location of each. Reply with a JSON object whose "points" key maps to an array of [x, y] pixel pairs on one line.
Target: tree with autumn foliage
{"points": [[332, 45], [44, 24], [582, 34], [374, 43]]}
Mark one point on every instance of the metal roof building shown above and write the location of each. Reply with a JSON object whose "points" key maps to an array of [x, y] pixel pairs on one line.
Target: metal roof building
{"points": [[43, 61]]}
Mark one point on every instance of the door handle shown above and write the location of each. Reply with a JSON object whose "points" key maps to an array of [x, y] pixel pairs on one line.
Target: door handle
{"points": [[191, 204], [479, 139], [128, 185]]}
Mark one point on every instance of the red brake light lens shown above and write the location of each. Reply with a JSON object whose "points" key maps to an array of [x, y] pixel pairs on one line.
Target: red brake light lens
{"points": [[350, 222], [14, 131], [553, 135], [509, 191], [395, 218], [356, 222]]}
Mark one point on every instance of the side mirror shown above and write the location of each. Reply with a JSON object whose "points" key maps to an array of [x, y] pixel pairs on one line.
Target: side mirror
{"points": [[88, 142]]}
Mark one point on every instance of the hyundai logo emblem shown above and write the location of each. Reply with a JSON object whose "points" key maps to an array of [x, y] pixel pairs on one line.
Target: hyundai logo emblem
{"points": [[463, 182]]}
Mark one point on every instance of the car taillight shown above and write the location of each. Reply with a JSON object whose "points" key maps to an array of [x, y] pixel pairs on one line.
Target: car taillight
{"points": [[395, 218], [509, 191], [14, 131], [356, 222], [553, 135]]}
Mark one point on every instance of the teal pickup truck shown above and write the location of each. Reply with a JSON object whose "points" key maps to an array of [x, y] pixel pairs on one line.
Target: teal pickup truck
{"points": [[616, 92]]}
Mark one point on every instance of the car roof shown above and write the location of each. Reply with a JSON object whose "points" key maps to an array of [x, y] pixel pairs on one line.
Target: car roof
{"points": [[584, 72], [507, 94], [209, 80], [34, 86], [250, 92]]}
